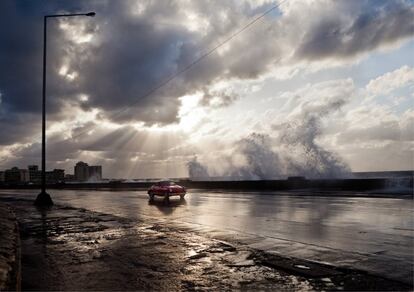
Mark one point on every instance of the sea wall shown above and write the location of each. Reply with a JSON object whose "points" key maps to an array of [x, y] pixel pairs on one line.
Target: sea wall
{"points": [[404, 184], [10, 263], [355, 184]]}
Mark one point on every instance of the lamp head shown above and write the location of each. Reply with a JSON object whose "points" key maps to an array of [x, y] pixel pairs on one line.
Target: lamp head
{"points": [[90, 14]]}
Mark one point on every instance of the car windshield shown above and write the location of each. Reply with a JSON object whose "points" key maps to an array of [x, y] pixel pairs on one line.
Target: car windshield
{"points": [[166, 183]]}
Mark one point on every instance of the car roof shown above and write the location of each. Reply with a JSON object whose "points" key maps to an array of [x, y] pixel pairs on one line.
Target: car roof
{"points": [[165, 182]]}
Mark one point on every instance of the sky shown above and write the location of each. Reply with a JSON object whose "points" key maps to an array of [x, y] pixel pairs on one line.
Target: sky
{"points": [[315, 87]]}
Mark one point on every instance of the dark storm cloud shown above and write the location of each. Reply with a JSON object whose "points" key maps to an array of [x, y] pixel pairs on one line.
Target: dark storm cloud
{"points": [[20, 68], [374, 23], [19, 60], [21, 28], [130, 55], [133, 51], [17, 128]]}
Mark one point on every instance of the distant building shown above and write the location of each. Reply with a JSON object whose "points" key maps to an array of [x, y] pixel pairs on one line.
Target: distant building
{"points": [[95, 172], [84, 172], [55, 176], [1, 176], [34, 174], [70, 177], [16, 176], [52, 177], [81, 171], [33, 168]]}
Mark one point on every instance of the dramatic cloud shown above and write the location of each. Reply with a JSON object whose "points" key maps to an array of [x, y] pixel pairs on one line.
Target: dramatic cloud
{"points": [[360, 27], [15, 128], [130, 47], [102, 70]]}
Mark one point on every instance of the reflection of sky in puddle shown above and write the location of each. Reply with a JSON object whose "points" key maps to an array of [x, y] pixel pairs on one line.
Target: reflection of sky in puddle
{"points": [[355, 223], [191, 252], [210, 207]]}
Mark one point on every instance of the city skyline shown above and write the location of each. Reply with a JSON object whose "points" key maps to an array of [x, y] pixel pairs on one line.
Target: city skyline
{"points": [[82, 172], [256, 107]]}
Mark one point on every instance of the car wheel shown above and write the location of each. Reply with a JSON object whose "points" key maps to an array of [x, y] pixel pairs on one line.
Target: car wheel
{"points": [[151, 196], [182, 197], [167, 198]]}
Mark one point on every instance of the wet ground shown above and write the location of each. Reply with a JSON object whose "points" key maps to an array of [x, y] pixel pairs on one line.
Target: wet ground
{"points": [[369, 234], [66, 248]]}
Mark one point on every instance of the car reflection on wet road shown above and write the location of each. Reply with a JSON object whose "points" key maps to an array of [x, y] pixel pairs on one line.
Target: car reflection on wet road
{"points": [[381, 229]]}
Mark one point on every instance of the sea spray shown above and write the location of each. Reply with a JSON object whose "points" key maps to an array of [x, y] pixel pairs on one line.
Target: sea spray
{"points": [[260, 161], [290, 150], [306, 157], [196, 169]]}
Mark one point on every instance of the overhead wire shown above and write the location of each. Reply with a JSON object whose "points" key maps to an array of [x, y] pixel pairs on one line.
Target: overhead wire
{"points": [[179, 72], [187, 67]]}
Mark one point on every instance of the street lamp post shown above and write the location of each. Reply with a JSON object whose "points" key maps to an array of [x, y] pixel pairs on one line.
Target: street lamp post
{"points": [[44, 199]]}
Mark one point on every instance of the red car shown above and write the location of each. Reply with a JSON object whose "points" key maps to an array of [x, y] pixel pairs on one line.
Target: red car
{"points": [[166, 189]]}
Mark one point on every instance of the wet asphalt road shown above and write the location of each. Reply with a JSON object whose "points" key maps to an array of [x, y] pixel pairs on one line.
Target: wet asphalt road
{"points": [[376, 232]]}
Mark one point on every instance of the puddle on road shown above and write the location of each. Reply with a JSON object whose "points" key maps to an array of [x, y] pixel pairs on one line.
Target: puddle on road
{"points": [[130, 256], [302, 267]]}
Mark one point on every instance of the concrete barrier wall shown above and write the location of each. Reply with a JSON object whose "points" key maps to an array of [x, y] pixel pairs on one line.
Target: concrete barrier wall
{"points": [[366, 184], [10, 261]]}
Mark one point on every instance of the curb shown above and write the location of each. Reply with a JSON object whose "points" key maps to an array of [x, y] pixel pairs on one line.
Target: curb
{"points": [[10, 250]]}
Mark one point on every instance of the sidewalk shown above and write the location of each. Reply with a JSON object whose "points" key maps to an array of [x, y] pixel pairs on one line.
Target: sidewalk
{"points": [[75, 249]]}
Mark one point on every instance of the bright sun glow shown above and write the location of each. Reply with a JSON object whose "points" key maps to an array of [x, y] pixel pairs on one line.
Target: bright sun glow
{"points": [[64, 71], [76, 32], [190, 113], [195, 22], [83, 97]]}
